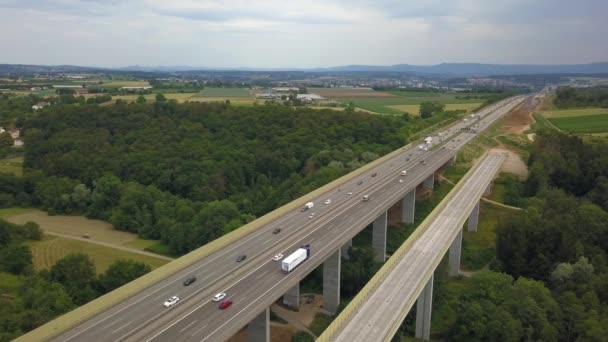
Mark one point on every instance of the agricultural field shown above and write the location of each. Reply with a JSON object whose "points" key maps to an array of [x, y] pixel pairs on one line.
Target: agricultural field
{"points": [[12, 165], [397, 102], [76, 226], [574, 112], [582, 124], [414, 109], [51, 249], [119, 84], [224, 92], [8, 212]]}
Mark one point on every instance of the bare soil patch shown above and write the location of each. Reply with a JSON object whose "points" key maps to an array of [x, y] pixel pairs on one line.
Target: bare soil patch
{"points": [[513, 164], [76, 226]]}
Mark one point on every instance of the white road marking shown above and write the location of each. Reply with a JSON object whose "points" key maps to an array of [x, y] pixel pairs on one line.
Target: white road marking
{"points": [[188, 326], [122, 326], [199, 329]]}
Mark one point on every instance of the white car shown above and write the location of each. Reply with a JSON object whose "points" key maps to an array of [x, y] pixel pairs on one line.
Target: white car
{"points": [[219, 297], [327, 201], [350, 193], [277, 257], [401, 181], [311, 215], [171, 301]]}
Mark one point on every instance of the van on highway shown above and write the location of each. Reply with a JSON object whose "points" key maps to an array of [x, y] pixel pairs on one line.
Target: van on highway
{"points": [[404, 172], [365, 198]]}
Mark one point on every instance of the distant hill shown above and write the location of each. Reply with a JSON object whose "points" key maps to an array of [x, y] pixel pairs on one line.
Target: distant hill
{"points": [[478, 69], [451, 69]]}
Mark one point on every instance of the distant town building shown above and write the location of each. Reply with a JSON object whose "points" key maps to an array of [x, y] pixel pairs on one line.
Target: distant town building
{"points": [[40, 105], [268, 96], [81, 91], [136, 88], [58, 86], [285, 89], [310, 97]]}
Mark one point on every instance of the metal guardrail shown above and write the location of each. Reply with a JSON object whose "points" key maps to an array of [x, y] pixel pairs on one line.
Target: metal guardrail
{"points": [[346, 314]]}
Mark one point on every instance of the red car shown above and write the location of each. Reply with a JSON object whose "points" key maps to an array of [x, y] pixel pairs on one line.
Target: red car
{"points": [[225, 304]]}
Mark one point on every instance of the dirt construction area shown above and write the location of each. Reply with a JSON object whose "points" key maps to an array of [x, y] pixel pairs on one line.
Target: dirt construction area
{"points": [[520, 120]]}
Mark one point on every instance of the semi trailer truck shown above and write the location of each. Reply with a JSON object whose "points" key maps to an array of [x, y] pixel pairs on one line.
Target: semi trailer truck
{"points": [[294, 259]]}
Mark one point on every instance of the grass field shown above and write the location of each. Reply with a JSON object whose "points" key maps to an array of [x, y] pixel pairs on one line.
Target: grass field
{"points": [[414, 109], [119, 84], [50, 249], [8, 212], [12, 165], [224, 92], [582, 124], [76, 226], [392, 105], [183, 97], [574, 112]]}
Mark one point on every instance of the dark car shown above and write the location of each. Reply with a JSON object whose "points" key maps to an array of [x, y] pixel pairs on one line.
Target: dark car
{"points": [[241, 258], [225, 304], [189, 281], [276, 231], [360, 182], [374, 174]]}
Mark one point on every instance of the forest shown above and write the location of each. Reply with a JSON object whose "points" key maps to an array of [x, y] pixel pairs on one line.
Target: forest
{"points": [[188, 173], [568, 97], [552, 257], [30, 299]]}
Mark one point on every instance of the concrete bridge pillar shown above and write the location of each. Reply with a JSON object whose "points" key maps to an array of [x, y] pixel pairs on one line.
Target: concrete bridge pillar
{"points": [[292, 297], [429, 183], [259, 328], [488, 190], [331, 282], [455, 249], [379, 237], [346, 248], [408, 206], [424, 305], [473, 219]]}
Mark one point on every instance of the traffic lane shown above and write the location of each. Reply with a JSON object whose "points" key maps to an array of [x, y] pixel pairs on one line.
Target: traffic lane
{"points": [[152, 305], [266, 240], [393, 179], [331, 235], [416, 258]]}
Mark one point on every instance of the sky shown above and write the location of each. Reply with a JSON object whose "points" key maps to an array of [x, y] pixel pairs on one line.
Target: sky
{"points": [[301, 34]]}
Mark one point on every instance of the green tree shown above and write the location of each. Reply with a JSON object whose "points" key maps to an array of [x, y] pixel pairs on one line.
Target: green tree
{"points": [[76, 272], [41, 301], [141, 99], [428, 109], [121, 272], [160, 98], [6, 140], [16, 259]]}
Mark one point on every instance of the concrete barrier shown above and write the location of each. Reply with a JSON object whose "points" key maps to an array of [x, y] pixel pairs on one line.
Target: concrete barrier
{"points": [[360, 298]]}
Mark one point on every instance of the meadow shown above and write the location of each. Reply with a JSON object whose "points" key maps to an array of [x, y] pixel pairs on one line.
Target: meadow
{"points": [[224, 92], [582, 124], [398, 102], [51, 249], [12, 165], [574, 112]]}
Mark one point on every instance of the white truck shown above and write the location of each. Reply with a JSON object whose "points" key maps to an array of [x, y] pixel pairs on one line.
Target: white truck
{"points": [[296, 258], [428, 140], [308, 205]]}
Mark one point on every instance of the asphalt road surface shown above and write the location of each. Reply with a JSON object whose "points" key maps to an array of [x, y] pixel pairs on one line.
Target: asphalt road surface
{"points": [[257, 281], [376, 317]]}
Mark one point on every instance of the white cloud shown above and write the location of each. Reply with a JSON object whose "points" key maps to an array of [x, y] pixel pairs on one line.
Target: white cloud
{"points": [[296, 33]]}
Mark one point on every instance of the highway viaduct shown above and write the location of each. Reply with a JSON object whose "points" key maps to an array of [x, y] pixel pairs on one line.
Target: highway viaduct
{"points": [[257, 283]]}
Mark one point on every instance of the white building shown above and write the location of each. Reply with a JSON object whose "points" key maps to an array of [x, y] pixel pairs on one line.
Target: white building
{"points": [[310, 97]]}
